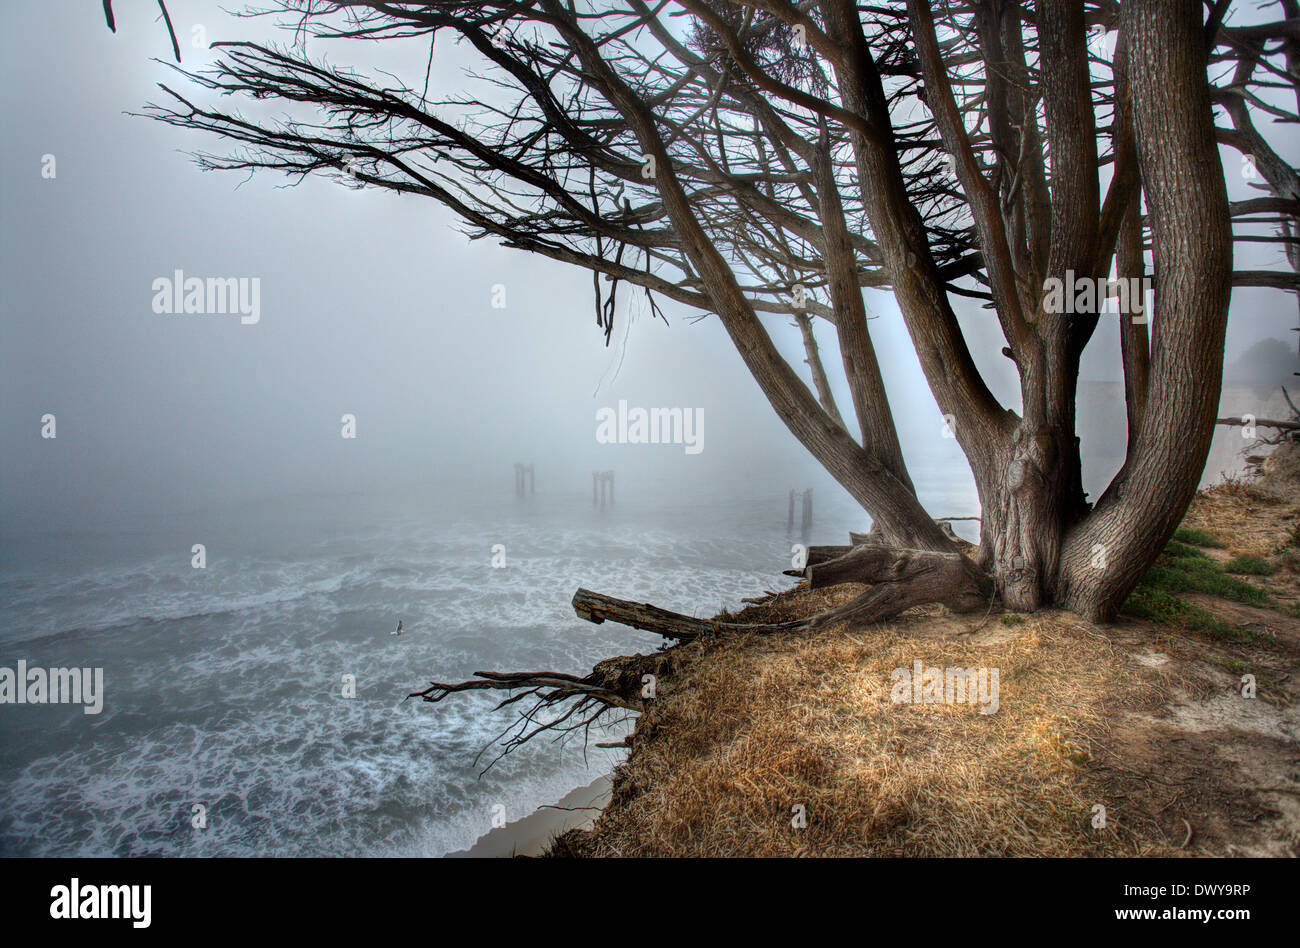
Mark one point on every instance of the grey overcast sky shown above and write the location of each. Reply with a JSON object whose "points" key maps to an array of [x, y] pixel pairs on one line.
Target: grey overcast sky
{"points": [[370, 304]]}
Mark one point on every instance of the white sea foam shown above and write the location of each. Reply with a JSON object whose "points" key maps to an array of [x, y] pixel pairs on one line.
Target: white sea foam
{"points": [[223, 686]]}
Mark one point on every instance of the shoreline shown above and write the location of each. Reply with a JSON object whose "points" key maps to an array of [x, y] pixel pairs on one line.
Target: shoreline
{"points": [[532, 834]]}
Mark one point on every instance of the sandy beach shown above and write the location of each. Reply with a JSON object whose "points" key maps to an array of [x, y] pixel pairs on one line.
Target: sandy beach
{"points": [[531, 835]]}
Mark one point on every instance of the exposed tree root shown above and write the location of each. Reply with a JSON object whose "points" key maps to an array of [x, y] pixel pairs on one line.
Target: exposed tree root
{"points": [[876, 537], [613, 684], [899, 579]]}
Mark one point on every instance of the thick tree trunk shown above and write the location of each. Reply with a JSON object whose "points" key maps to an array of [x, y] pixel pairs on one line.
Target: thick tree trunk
{"points": [[1023, 530], [1038, 540], [1105, 556]]}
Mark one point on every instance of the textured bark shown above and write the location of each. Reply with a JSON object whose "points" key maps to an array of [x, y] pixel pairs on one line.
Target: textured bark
{"points": [[944, 356], [1036, 485], [1130, 258], [875, 564], [822, 554], [1134, 346], [812, 356], [597, 608], [899, 580], [861, 368], [1192, 251]]}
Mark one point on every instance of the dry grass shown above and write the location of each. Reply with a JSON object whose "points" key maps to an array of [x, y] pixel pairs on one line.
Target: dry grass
{"points": [[1147, 721], [752, 728], [1259, 518], [1248, 519]]}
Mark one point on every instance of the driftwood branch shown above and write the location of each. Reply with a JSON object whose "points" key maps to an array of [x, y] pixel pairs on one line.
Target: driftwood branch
{"points": [[1260, 423]]}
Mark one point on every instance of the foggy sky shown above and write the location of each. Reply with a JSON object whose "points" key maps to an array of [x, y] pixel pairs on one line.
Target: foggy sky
{"points": [[371, 303]]}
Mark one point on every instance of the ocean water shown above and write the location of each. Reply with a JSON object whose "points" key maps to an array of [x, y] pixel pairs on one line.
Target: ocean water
{"points": [[223, 686]]}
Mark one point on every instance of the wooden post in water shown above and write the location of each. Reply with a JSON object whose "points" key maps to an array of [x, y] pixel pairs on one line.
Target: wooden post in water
{"points": [[522, 471], [602, 478], [805, 510]]}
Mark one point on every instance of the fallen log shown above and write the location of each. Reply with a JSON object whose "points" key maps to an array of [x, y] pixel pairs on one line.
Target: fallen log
{"points": [[1260, 423], [597, 607], [899, 578], [874, 565], [823, 554]]}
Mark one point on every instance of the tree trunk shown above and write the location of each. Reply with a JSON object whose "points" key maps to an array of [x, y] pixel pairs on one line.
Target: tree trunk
{"points": [[1191, 241], [1040, 542], [1038, 539], [1024, 528]]}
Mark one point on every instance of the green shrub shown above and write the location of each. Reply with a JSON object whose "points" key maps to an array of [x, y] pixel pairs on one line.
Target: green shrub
{"points": [[1183, 569], [1204, 576], [1250, 566], [1182, 551], [1160, 606], [1197, 538]]}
